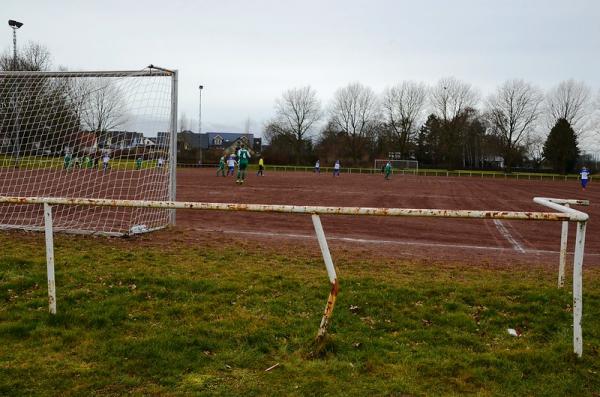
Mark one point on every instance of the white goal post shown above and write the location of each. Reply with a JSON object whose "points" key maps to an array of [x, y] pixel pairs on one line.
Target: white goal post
{"points": [[397, 164], [92, 134]]}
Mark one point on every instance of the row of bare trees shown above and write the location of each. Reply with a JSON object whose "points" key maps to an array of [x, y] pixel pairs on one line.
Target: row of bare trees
{"points": [[446, 124], [52, 111]]}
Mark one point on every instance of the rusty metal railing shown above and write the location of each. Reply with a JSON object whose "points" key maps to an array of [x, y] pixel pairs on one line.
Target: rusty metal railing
{"points": [[565, 214]]}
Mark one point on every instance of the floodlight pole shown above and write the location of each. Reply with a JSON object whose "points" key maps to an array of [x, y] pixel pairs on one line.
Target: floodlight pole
{"points": [[14, 26], [14, 47], [200, 110]]}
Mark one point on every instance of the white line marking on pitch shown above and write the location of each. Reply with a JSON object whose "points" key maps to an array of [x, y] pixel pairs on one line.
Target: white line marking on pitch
{"points": [[396, 242], [504, 232]]}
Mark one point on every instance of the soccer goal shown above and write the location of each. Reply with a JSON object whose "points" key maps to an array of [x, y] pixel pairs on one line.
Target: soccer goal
{"points": [[104, 134], [398, 164]]}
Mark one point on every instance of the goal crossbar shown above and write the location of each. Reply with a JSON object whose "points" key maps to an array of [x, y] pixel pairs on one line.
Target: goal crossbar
{"points": [[150, 72], [565, 214]]}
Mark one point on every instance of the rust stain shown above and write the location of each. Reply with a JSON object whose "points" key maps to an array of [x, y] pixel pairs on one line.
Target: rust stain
{"points": [[335, 287], [571, 215]]}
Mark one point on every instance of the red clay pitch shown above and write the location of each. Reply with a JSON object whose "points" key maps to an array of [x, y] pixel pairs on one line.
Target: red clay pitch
{"points": [[472, 241]]}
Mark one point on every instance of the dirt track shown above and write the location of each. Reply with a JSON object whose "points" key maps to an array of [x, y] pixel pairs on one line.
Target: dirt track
{"points": [[423, 238]]}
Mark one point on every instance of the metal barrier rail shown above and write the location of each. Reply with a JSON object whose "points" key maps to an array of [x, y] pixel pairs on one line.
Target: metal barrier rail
{"points": [[565, 214], [416, 172]]}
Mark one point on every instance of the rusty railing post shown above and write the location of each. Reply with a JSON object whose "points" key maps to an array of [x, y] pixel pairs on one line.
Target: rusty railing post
{"points": [[335, 287]]}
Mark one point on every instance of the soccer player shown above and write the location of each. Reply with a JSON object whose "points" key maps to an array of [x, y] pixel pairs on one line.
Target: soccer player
{"points": [[261, 167], [317, 167], [161, 161], [221, 168], [336, 168], [105, 160], [67, 161], [585, 173], [243, 156], [87, 162], [230, 165], [138, 163], [388, 170]]}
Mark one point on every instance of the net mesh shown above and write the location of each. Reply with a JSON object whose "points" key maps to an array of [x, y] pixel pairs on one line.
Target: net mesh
{"points": [[85, 135]]}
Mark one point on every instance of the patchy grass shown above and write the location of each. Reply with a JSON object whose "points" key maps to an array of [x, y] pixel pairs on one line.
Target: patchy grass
{"points": [[197, 320], [58, 163]]}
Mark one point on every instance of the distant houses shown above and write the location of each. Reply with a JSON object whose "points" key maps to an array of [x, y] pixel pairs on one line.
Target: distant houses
{"points": [[226, 140], [193, 148], [90, 142]]}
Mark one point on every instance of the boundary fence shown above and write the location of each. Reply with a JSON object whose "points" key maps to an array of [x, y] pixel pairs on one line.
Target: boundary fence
{"points": [[564, 214], [417, 172]]}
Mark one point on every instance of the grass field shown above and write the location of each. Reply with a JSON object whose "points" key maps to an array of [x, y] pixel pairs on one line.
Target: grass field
{"points": [[208, 320], [57, 163]]}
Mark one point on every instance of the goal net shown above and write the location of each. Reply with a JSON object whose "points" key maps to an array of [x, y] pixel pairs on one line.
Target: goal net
{"points": [[397, 164], [88, 135]]}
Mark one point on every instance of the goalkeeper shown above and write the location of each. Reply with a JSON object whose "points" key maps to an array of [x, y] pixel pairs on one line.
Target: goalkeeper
{"points": [[388, 170], [243, 156]]}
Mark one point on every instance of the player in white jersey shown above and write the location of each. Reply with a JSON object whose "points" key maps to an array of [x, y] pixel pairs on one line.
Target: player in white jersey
{"points": [[230, 165], [105, 161], [336, 168], [585, 174]]}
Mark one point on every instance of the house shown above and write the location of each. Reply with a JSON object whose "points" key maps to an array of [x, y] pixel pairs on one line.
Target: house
{"points": [[226, 140], [188, 140], [163, 139], [86, 142], [148, 142], [119, 140], [493, 161]]}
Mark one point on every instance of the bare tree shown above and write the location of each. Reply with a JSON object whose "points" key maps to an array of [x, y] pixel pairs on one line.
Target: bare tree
{"points": [[184, 122], [104, 108], [595, 118], [248, 125], [535, 149], [355, 112], [569, 100], [450, 97], [513, 111], [453, 102], [32, 57], [403, 107], [297, 111]]}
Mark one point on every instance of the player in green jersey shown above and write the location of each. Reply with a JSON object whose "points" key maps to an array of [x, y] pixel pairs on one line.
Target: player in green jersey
{"points": [[87, 162], [221, 168], [243, 156], [67, 161], [388, 170]]}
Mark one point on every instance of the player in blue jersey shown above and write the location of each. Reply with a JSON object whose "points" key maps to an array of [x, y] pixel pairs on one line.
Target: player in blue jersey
{"points": [[585, 174]]}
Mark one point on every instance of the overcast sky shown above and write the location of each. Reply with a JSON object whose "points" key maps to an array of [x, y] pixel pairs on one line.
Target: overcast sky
{"points": [[246, 53]]}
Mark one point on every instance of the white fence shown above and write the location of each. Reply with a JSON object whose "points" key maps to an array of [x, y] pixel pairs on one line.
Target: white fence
{"points": [[564, 214], [416, 172]]}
